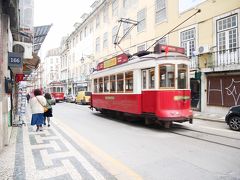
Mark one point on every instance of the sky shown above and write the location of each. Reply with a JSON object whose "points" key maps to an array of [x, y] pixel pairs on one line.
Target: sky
{"points": [[62, 14]]}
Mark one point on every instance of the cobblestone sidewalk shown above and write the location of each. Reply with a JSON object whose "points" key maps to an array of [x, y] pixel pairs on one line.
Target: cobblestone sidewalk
{"points": [[57, 153]]}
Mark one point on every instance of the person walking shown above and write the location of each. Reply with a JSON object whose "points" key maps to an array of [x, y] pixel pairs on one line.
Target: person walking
{"points": [[48, 113], [37, 104]]}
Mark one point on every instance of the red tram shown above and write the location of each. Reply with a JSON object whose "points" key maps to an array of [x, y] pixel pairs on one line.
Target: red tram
{"points": [[153, 85], [56, 89]]}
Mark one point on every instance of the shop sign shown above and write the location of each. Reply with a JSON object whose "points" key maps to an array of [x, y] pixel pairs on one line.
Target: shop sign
{"points": [[15, 59], [19, 77]]}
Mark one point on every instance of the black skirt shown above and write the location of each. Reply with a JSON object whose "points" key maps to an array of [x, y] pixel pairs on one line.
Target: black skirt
{"points": [[48, 113]]}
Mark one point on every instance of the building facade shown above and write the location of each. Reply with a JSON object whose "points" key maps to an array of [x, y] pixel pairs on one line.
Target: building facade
{"points": [[210, 38], [51, 67]]}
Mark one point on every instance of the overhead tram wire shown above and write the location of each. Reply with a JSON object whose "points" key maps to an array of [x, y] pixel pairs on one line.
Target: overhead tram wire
{"points": [[198, 11], [124, 20]]}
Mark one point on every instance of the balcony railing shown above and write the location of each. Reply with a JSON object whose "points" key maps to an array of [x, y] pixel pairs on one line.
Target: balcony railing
{"points": [[225, 57]]}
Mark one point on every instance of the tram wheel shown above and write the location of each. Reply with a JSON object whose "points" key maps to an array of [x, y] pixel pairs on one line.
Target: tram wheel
{"points": [[167, 124]]}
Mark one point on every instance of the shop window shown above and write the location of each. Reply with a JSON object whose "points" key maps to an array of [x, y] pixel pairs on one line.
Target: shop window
{"points": [[106, 84], [100, 80], [182, 76], [129, 81], [166, 73], [112, 83], [120, 82]]}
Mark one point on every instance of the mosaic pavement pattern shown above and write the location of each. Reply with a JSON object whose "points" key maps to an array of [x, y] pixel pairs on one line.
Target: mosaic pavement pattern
{"points": [[53, 155]]}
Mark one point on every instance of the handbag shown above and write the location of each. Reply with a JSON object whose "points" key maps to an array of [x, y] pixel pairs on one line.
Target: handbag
{"points": [[45, 109]]}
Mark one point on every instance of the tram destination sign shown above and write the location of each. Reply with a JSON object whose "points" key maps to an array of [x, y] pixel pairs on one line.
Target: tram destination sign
{"points": [[120, 59], [159, 48]]}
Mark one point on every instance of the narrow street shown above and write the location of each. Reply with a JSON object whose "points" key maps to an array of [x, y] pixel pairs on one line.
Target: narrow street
{"points": [[204, 150]]}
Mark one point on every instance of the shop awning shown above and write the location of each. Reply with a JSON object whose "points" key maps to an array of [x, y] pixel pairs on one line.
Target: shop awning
{"points": [[40, 33]]}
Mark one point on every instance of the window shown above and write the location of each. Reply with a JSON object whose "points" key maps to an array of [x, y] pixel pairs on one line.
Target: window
{"points": [[188, 39], [148, 78], [114, 34], [97, 21], [144, 79], [95, 82], [106, 84], [105, 40], [141, 48], [80, 36], [227, 29], [85, 31], [151, 78], [163, 41], [112, 83], [120, 82], [129, 81], [100, 80], [160, 11], [114, 7], [98, 44], [141, 18], [105, 15], [182, 76], [166, 73]]}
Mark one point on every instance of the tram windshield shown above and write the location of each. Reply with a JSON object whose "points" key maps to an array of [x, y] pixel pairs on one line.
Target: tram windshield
{"points": [[167, 76]]}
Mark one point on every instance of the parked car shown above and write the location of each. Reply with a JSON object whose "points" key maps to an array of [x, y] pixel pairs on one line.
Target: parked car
{"points": [[83, 97], [70, 98], [233, 118]]}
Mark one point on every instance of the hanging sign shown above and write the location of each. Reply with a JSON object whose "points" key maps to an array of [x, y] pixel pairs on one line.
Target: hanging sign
{"points": [[15, 59]]}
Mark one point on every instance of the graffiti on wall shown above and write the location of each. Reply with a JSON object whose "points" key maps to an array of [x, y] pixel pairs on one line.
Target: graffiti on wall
{"points": [[223, 91]]}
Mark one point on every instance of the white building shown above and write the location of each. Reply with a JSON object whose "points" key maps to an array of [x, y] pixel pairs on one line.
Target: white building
{"points": [[51, 67]]}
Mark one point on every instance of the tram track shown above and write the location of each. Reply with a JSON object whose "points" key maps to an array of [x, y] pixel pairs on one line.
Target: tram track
{"points": [[209, 137]]}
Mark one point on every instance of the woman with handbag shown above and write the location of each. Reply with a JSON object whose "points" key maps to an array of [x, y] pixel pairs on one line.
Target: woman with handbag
{"points": [[38, 104], [48, 113]]}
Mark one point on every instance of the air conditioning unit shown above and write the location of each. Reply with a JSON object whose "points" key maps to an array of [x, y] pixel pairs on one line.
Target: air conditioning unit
{"points": [[23, 47], [203, 49]]}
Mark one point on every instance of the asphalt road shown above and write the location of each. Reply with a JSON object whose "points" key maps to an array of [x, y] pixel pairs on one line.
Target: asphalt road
{"points": [[204, 150]]}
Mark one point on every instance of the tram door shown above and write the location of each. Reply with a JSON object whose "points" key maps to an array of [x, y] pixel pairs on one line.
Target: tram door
{"points": [[148, 84]]}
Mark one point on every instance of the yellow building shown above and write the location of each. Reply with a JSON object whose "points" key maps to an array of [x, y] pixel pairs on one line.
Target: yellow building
{"points": [[210, 38]]}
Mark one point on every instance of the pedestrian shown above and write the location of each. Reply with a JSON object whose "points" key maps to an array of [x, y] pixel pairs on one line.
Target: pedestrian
{"points": [[37, 104], [48, 113], [28, 97]]}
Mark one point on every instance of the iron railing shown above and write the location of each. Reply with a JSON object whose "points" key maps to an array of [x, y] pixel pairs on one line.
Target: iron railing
{"points": [[225, 57]]}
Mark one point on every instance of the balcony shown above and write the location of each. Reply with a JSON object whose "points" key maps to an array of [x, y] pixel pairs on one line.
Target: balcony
{"points": [[224, 60]]}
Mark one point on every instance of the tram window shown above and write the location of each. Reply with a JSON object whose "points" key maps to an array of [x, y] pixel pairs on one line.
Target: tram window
{"points": [[106, 84], [182, 76], [112, 83], [151, 76], [58, 89], [51, 89], [129, 81], [54, 89], [95, 85], [100, 80], [120, 82], [61, 89], [167, 76], [144, 79]]}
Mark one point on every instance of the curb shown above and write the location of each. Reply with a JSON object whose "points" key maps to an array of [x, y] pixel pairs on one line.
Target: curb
{"points": [[207, 119]]}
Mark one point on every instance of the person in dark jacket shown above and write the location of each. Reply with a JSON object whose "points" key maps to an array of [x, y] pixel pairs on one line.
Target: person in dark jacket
{"points": [[48, 113]]}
